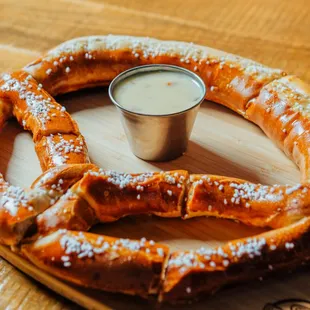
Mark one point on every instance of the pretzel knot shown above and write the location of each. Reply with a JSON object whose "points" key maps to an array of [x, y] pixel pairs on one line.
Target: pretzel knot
{"points": [[49, 222]]}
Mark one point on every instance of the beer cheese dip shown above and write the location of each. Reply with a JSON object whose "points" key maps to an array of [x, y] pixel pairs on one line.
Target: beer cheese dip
{"points": [[158, 93]]}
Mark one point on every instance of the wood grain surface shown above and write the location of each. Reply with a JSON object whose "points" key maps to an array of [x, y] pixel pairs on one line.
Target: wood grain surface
{"points": [[274, 32]]}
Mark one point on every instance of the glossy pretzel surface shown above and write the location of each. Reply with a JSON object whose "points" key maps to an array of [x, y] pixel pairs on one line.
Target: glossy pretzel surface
{"points": [[50, 221]]}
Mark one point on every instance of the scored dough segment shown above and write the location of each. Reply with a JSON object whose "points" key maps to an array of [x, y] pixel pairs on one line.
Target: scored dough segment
{"points": [[49, 221]]}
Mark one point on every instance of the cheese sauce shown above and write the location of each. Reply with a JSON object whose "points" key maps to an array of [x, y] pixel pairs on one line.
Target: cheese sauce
{"points": [[158, 93]]}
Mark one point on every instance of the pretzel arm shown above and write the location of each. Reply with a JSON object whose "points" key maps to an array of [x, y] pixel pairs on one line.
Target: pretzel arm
{"points": [[93, 61], [282, 111], [113, 195], [106, 196], [18, 207], [61, 178], [253, 204], [34, 108], [58, 181], [36, 111], [60, 149], [192, 274], [55, 133], [18, 210], [102, 197], [100, 262], [69, 212]]}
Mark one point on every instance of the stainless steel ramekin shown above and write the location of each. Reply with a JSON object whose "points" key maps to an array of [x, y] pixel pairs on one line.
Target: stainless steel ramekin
{"points": [[158, 137]]}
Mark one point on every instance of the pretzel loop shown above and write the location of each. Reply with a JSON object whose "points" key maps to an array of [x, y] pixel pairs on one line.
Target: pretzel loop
{"points": [[73, 195]]}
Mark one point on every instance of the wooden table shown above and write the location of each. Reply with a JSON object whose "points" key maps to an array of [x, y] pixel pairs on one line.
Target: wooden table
{"points": [[274, 32]]}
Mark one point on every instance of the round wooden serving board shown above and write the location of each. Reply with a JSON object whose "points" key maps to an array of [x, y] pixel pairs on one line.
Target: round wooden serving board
{"points": [[221, 143]]}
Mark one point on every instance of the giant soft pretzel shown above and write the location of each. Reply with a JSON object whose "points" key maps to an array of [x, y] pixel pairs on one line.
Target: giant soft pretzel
{"points": [[50, 220]]}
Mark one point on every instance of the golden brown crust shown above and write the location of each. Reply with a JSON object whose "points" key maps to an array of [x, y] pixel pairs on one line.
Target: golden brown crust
{"points": [[101, 262], [34, 108], [113, 195], [281, 111], [253, 204], [18, 210], [192, 274], [60, 149], [69, 212], [63, 176]]}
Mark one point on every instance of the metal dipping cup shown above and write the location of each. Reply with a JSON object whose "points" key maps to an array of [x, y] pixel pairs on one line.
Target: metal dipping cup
{"points": [[158, 137]]}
